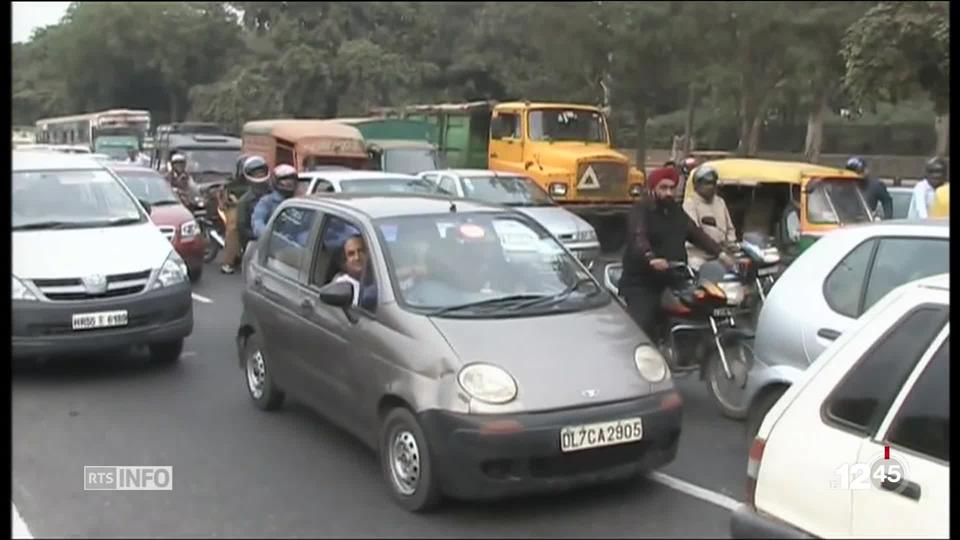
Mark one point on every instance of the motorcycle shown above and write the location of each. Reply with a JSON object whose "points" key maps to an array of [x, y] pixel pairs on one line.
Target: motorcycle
{"points": [[199, 201], [702, 333]]}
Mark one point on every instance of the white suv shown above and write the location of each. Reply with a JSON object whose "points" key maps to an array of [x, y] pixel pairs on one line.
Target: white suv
{"points": [[859, 446]]}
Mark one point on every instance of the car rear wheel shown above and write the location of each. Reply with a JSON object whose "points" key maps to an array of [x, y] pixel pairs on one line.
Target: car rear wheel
{"points": [[263, 391], [166, 353], [759, 409], [406, 462]]}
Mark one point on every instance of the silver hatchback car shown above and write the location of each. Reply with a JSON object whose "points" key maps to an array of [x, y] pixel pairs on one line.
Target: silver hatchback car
{"points": [[459, 340]]}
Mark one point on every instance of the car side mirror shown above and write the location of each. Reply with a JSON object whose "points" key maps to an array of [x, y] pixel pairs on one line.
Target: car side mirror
{"points": [[146, 206], [338, 294]]}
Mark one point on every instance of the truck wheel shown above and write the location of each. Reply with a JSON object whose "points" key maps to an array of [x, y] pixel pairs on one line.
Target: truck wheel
{"points": [[406, 462]]}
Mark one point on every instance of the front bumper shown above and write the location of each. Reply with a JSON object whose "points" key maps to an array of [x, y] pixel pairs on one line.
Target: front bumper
{"points": [[474, 463], [746, 522], [42, 328]]}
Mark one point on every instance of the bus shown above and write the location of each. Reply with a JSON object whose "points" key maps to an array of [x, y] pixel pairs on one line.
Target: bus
{"points": [[111, 132]]}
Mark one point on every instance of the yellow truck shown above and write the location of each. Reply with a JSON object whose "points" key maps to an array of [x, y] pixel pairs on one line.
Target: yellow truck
{"points": [[564, 147]]}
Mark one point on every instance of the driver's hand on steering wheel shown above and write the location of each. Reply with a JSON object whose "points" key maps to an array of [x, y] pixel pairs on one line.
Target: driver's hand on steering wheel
{"points": [[660, 264]]}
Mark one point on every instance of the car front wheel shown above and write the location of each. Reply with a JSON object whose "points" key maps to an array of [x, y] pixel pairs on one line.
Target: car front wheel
{"points": [[263, 391], [406, 462]]}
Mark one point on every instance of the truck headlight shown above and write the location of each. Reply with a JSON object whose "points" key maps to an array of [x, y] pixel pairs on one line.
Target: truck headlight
{"points": [[189, 229], [650, 363], [173, 271], [636, 190], [487, 383], [558, 189], [20, 291]]}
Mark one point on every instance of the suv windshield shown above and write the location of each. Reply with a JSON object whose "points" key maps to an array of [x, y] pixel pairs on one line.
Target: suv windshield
{"points": [[410, 160], [386, 185], [211, 161], [567, 125], [836, 201], [149, 186], [506, 190], [483, 265], [71, 200]]}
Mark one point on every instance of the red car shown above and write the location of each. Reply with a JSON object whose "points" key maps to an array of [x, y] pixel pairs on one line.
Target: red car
{"points": [[167, 212]]}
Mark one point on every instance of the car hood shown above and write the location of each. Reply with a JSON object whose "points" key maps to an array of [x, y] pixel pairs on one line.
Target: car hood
{"points": [[73, 253], [582, 358], [558, 221], [172, 215]]}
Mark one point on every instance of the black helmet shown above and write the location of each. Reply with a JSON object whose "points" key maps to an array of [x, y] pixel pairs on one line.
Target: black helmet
{"points": [[856, 164], [256, 170], [936, 168], [705, 175]]}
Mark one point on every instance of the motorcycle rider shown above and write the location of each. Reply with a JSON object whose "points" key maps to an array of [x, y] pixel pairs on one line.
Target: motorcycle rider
{"points": [[874, 191], [923, 192], [228, 199], [257, 174], [284, 186], [709, 211], [658, 230]]}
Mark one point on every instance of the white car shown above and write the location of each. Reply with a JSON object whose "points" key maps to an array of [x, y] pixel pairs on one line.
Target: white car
{"points": [[351, 181], [860, 445], [523, 194]]}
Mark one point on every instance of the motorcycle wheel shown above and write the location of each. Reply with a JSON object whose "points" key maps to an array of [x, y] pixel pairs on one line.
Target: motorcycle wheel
{"points": [[210, 247], [728, 394]]}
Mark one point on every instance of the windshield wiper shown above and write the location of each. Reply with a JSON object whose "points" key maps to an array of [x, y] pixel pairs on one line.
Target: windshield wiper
{"points": [[40, 225], [165, 202], [116, 222], [561, 296], [490, 302]]}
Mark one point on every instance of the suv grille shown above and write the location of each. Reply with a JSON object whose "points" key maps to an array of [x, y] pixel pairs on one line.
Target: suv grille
{"points": [[73, 289]]}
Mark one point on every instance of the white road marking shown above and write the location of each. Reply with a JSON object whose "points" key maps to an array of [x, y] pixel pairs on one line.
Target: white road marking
{"points": [[203, 299], [713, 497], [20, 529]]}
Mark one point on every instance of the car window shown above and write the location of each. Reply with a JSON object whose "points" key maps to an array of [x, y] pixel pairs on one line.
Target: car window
{"points": [[288, 240], [323, 186], [923, 422], [902, 260], [866, 392], [843, 287], [449, 185], [330, 262], [506, 126]]}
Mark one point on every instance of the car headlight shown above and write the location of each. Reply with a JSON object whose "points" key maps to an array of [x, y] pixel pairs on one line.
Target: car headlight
{"points": [[173, 271], [189, 229], [733, 291], [650, 363], [558, 189], [588, 235], [487, 383], [20, 291]]}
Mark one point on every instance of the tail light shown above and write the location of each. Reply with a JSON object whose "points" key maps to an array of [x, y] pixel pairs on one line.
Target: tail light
{"points": [[753, 469]]}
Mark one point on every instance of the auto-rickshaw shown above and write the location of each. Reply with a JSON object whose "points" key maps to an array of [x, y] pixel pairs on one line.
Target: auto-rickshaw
{"points": [[306, 144], [941, 202], [793, 202]]}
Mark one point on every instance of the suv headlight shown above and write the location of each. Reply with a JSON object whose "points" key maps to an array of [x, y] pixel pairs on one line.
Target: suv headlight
{"points": [[487, 383], [558, 189], [588, 235], [650, 363], [20, 291], [189, 229], [173, 271]]}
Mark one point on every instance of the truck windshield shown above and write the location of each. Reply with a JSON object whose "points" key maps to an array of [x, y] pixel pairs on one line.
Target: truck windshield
{"points": [[506, 190], [567, 125], [211, 160], [837, 202], [410, 160]]}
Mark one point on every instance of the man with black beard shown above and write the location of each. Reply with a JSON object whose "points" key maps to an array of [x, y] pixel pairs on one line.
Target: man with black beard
{"points": [[658, 230]]}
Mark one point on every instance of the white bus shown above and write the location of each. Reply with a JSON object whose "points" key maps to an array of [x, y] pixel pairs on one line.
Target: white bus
{"points": [[109, 132]]}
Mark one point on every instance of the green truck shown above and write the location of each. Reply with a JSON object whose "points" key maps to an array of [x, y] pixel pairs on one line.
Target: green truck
{"points": [[399, 145]]}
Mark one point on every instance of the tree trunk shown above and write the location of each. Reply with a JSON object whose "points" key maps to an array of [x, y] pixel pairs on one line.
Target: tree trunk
{"points": [[814, 140], [640, 116], [688, 124], [942, 127], [753, 142], [747, 115], [331, 107]]}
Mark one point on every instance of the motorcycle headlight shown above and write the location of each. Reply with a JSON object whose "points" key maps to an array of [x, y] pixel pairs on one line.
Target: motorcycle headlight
{"points": [[189, 229], [588, 235], [173, 272], [558, 189], [20, 291], [487, 383], [733, 291], [650, 363]]}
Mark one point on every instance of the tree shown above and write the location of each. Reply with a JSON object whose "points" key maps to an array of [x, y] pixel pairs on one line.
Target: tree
{"points": [[898, 49]]}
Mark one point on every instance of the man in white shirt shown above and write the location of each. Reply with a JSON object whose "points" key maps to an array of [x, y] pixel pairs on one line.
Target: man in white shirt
{"points": [[924, 190], [355, 261]]}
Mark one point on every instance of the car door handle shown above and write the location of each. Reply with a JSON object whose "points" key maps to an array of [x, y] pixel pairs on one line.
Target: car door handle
{"points": [[904, 487], [828, 333]]}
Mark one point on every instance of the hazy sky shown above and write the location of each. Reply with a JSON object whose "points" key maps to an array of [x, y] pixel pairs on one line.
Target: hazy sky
{"points": [[30, 15]]}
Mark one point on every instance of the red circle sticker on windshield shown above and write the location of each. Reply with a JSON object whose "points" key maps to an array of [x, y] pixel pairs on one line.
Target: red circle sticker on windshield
{"points": [[469, 230]]}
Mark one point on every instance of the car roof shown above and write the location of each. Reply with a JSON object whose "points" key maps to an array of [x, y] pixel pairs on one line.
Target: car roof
{"points": [[936, 228], [356, 175], [129, 167], [476, 172], [33, 160], [377, 206], [389, 144]]}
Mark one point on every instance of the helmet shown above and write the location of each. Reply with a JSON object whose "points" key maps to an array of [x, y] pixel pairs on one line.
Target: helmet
{"points": [[284, 172], [856, 164], [705, 175], [255, 170], [178, 158], [936, 168]]}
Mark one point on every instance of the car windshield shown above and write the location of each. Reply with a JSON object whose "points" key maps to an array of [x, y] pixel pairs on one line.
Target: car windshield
{"points": [[71, 200], [149, 186], [836, 201], [410, 160], [506, 190], [114, 146], [483, 265], [567, 125], [386, 185], [211, 161]]}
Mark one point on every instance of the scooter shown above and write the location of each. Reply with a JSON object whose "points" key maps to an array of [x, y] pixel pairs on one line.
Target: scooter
{"points": [[702, 333]]}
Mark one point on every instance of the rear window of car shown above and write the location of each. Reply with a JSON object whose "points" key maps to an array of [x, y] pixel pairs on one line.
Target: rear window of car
{"points": [[923, 422]]}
